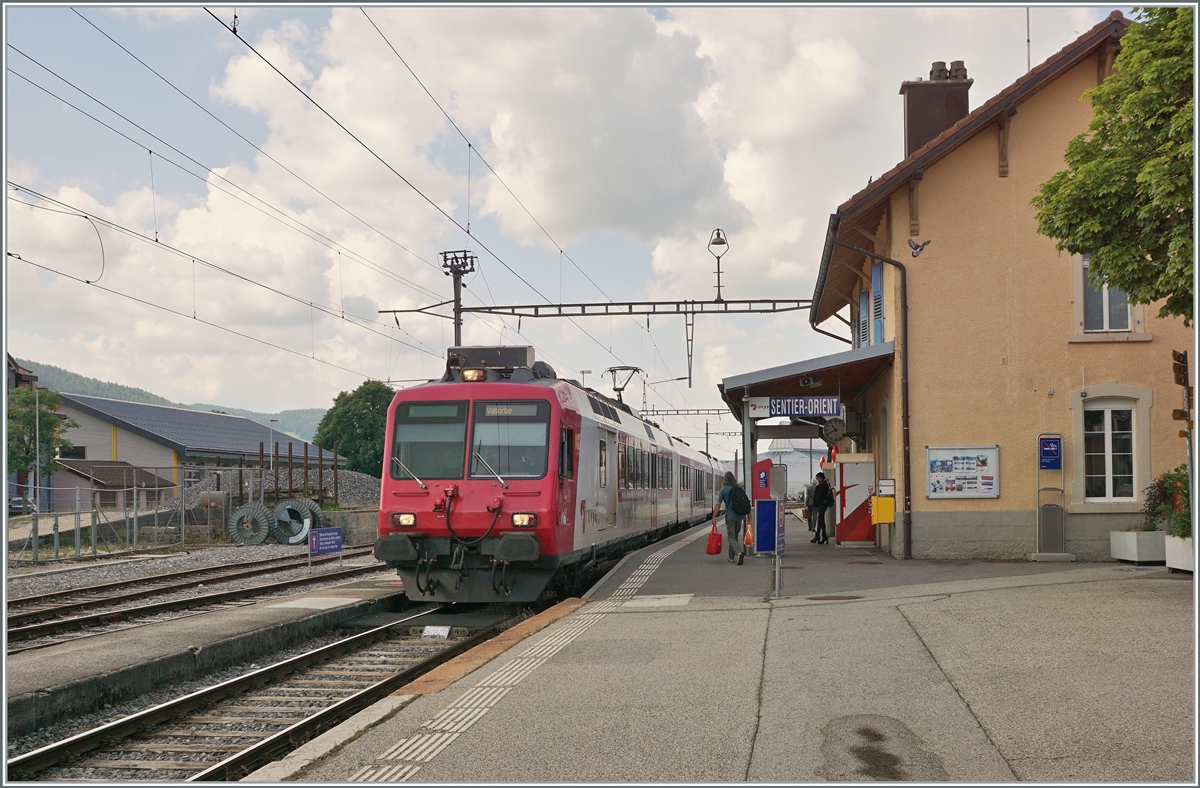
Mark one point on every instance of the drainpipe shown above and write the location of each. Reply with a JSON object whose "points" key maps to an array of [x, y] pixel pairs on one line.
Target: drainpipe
{"points": [[903, 386]]}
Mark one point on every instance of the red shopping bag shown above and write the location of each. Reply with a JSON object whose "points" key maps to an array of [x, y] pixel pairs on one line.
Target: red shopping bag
{"points": [[714, 541]]}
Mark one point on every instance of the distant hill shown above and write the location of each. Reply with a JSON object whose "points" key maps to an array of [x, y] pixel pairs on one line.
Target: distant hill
{"points": [[301, 423], [59, 379]]}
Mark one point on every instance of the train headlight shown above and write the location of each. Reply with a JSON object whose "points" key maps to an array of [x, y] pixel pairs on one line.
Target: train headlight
{"points": [[524, 520], [474, 375], [405, 520]]}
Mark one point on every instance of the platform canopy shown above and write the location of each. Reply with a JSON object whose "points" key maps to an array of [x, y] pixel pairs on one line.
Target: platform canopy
{"points": [[847, 375]]}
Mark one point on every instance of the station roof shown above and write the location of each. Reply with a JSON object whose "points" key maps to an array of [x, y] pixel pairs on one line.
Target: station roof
{"points": [[193, 433], [847, 374]]}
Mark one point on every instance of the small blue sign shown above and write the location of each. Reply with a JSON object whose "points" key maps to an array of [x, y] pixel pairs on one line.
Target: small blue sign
{"points": [[763, 480], [324, 540], [806, 406], [1050, 454], [768, 526]]}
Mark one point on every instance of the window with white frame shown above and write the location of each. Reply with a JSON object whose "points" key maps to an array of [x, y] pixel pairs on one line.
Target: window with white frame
{"points": [[1108, 451], [1104, 308]]}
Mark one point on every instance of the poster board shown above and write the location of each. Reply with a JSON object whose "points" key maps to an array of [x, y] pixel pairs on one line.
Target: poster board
{"points": [[962, 471]]}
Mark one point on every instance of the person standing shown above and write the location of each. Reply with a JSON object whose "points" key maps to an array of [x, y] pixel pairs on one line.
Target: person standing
{"points": [[808, 503], [822, 500], [733, 522]]}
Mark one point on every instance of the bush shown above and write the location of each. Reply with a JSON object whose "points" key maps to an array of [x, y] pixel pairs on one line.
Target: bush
{"points": [[1175, 506]]}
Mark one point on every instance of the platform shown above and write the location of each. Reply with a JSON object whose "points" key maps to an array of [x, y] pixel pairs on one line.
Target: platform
{"points": [[683, 667]]}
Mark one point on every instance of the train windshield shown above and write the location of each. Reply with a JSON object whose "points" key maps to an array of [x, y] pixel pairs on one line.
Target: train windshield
{"points": [[429, 440], [510, 437]]}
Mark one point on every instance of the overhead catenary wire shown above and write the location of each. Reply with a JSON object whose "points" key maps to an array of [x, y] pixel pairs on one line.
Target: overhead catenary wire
{"points": [[183, 314], [397, 173], [472, 149], [244, 139], [75, 211], [315, 236]]}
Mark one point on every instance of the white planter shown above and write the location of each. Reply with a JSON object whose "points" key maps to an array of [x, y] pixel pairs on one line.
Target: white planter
{"points": [[1180, 553], [1141, 547]]}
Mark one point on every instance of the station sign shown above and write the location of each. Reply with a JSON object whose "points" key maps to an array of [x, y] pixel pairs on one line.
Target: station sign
{"points": [[1050, 454], [801, 407]]}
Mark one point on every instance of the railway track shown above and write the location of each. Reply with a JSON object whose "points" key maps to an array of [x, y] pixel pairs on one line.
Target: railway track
{"points": [[226, 731], [47, 633], [55, 604]]}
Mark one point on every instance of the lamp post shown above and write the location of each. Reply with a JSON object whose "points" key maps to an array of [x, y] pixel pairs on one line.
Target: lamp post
{"points": [[584, 373], [718, 246]]}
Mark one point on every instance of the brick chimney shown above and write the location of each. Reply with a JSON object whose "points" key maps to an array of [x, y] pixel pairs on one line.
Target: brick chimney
{"points": [[934, 106]]}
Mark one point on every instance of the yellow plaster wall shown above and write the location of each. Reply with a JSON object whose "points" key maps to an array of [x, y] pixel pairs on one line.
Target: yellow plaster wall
{"points": [[991, 307]]}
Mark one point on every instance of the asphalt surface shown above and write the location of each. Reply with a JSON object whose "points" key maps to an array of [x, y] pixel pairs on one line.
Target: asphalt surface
{"points": [[684, 667]]}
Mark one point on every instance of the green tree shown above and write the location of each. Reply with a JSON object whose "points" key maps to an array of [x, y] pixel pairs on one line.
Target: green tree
{"points": [[358, 422], [1126, 195], [23, 426]]}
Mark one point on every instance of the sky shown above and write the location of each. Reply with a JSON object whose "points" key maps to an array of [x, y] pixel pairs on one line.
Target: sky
{"points": [[244, 238]]}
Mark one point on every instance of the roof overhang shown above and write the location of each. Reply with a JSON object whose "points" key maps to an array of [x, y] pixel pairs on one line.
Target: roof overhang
{"points": [[864, 210], [846, 375]]}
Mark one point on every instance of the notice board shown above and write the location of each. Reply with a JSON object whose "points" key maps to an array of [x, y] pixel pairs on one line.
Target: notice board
{"points": [[962, 471]]}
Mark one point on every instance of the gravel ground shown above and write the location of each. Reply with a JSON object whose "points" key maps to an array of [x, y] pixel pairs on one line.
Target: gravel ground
{"points": [[109, 713], [28, 581]]}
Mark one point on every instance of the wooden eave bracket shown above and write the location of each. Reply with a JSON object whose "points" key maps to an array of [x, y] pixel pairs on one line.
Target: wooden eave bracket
{"points": [[1108, 53], [879, 242], [914, 219], [1002, 127]]}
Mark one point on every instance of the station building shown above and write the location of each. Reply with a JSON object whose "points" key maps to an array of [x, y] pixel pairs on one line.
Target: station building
{"points": [[1007, 342]]}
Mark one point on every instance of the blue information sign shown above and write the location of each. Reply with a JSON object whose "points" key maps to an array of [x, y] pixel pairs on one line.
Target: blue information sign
{"points": [[768, 526], [806, 406], [1050, 454], [324, 540]]}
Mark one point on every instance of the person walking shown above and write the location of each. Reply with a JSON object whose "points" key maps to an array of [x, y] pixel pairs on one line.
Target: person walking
{"points": [[808, 503], [733, 521], [822, 500]]}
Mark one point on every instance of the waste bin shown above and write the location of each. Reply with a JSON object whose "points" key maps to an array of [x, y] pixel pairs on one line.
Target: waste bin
{"points": [[1051, 530]]}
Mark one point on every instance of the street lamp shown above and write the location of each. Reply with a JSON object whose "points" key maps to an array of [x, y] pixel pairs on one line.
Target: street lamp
{"points": [[585, 373], [718, 246]]}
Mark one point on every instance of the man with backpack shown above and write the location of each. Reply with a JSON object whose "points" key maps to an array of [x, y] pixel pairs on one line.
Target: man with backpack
{"points": [[737, 506], [822, 500]]}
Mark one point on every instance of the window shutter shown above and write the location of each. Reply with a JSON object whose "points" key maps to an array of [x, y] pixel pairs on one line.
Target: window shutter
{"points": [[864, 324], [877, 301]]}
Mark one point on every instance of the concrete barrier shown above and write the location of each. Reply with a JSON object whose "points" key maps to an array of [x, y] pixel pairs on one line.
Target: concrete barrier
{"points": [[359, 526]]}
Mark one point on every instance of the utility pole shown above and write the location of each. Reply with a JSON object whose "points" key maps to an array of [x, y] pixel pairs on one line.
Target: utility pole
{"points": [[706, 436], [457, 264]]}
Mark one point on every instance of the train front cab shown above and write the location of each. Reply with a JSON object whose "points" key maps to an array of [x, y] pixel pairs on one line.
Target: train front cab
{"points": [[477, 490]]}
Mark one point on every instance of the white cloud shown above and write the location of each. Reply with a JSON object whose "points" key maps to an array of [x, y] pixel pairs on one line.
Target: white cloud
{"points": [[655, 128]]}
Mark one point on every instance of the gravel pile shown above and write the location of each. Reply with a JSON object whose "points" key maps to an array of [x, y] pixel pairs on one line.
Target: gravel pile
{"points": [[355, 490]]}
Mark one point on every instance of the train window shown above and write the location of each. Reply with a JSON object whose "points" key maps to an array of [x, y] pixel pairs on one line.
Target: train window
{"points": [[510, 439], [654, 471], [566, 454], [631, 461], [428, 440], [622, 468], [603, 463]]}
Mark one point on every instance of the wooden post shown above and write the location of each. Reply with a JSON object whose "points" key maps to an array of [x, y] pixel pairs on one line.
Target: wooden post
{"points": [[320, 475], [290, 469], [241, 495], [306, 469], [335, 470], [262, 475], [275, 470]]}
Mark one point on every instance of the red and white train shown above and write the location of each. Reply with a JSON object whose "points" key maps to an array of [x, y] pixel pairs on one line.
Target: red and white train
{"points": [[501, 480]]}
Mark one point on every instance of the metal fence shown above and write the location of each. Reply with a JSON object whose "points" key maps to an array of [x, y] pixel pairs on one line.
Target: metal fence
{"points": [[157, 507]]}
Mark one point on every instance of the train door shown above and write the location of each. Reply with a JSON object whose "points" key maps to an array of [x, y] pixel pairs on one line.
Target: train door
{"points": [[607, 497]]}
